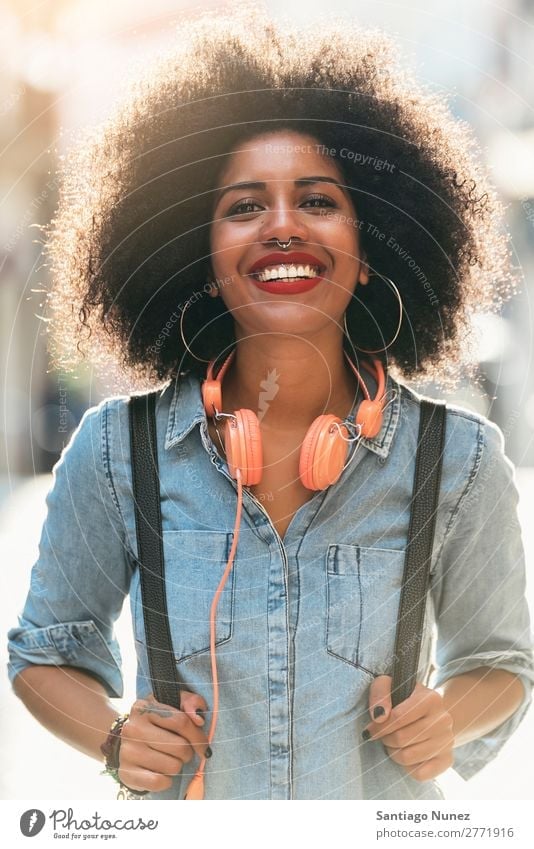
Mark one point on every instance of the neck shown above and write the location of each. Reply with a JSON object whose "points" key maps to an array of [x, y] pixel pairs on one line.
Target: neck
{"points": [[289, 382]]}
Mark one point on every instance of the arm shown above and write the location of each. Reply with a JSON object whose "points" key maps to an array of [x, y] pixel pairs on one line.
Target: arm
{"points": [[69, 703], [64, 660], [482, 615], [155, 743], [479, 701], [484, 646], [63, 656]]}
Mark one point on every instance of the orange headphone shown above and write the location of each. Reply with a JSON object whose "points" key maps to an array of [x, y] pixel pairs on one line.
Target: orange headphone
{"points": [[324, 448], [322, 458]]}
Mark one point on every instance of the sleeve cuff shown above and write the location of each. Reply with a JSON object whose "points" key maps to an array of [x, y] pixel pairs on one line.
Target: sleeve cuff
{"points": [[79, 644]]}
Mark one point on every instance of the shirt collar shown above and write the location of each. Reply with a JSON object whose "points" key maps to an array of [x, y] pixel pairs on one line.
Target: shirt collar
{"points": [[186, 410]]}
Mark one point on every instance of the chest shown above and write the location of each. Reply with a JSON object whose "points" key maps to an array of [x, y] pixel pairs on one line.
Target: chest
{"points": [[280, 491]]}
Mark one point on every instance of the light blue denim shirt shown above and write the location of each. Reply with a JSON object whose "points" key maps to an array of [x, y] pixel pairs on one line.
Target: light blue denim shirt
{"points": [[304, 624]]}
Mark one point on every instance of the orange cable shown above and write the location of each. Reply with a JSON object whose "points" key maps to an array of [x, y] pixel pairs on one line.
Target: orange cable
{"points": [[195, 789]]}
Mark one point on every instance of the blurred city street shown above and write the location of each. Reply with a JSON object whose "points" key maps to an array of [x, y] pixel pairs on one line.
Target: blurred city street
{"points": [[37, 765]]}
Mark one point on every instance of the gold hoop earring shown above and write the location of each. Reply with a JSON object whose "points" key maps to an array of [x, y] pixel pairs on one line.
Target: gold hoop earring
{"points": [[200, 359], [379, 350]]}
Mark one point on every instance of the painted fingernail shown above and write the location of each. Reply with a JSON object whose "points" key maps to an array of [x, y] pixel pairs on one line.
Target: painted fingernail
{"points": [[366, 735], [208, 753], [378, 711]]}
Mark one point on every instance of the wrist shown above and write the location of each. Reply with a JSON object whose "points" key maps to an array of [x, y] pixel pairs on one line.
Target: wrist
{"points": [[111, 751]]}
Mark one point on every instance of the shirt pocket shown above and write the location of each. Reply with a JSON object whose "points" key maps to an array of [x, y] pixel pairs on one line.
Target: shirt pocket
{"points": [[194, 565], [363, 594]]}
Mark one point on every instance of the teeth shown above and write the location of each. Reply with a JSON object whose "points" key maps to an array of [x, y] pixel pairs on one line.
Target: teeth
{"points": [[287, 272]]}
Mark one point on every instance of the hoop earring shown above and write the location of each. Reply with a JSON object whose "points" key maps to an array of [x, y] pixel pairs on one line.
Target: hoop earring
{"points": [[200, 359], [378, 350]]}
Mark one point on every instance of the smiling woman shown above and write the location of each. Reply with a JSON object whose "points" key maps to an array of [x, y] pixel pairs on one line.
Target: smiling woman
{"points": [[266, 208], [131, 242]]}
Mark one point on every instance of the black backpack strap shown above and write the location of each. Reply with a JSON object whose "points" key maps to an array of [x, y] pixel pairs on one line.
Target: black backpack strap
{"points": [[424, 505], [143, 446]]}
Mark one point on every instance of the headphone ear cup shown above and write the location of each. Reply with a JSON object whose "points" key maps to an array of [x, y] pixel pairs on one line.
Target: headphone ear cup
{"points": [[323, 453], [242, 444], [369, 416], [211, 396]]}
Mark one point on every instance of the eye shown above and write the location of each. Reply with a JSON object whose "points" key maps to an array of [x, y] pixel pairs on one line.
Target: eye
{"points": [[240, 210], [318, 201], [237, 208]]}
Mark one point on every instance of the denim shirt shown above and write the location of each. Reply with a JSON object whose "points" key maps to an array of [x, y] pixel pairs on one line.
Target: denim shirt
{"points": [[304, 624]]}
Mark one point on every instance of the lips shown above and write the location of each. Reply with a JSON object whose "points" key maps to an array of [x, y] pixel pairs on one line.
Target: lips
{"points": [[287, 287], [286, 258]]}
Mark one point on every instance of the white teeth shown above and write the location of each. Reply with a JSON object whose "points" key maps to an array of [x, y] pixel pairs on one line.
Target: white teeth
{"points": [[287, 272]]}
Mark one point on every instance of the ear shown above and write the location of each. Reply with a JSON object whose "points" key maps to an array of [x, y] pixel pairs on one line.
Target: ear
{"points": [[213, 291], [363, 277]]}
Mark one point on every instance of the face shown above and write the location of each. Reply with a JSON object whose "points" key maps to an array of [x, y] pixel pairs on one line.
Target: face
{"points": [[297, 193]]}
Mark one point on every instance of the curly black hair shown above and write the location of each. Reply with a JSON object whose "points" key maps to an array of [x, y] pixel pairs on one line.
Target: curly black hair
{"points": [[129, 245]]}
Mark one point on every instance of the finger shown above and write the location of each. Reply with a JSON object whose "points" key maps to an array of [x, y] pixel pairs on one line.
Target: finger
{"points": [[142, 779], [143, 757], [415, 732], [380, 698], [422, 702], [374, 731], [158, 740], [439, 725], [416, 754], [170, 719], [194, 706], [432, 768]]}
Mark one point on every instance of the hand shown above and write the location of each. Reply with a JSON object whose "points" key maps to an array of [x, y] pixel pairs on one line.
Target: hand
{"points": [[158, 739], [417, 733]]}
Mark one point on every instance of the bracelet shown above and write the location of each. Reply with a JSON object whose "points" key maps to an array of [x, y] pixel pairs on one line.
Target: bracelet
{"points": [[111, 748]]}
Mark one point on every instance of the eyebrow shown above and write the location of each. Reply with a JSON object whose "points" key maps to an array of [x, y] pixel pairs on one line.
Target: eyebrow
{"points": [[301, 181]]}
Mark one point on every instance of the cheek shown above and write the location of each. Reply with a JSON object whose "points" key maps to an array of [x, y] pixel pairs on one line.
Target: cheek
{"points": [[225, 247], [340, 234], [345, 244]]}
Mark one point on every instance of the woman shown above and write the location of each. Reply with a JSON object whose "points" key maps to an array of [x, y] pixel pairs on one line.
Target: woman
{"points": [[291, 199]]}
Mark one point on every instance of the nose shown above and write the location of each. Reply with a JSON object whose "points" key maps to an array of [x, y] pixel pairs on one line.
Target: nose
{"points": [[283, 223]]}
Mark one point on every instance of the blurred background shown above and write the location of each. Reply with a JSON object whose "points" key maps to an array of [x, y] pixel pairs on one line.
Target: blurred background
{"points": [[61, 66]]}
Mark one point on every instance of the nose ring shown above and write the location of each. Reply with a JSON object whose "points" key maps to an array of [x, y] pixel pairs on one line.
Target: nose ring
{"points": [[284, 245]]}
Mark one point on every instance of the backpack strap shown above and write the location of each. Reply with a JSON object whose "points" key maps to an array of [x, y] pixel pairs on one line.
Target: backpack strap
{"points": [[424, 505], [143, 446]]}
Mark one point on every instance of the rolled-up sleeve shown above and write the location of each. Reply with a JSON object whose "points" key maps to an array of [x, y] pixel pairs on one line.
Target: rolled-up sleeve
{"points": [[83, 570], [482, 613]]}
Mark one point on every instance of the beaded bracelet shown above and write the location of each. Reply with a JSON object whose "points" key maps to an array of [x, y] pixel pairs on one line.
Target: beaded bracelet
{"points": [[110, 749]]}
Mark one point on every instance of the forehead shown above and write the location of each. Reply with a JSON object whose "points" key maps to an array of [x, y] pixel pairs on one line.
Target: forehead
{"points": [[281, 155]]}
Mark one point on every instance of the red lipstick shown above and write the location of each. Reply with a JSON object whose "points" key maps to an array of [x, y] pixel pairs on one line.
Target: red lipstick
{"points": [[283, 287], [293, 286]]}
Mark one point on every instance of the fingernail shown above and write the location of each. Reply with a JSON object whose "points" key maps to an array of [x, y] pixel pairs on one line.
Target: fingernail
{"points": [[378, 711], [208, 753], [366, 735]]}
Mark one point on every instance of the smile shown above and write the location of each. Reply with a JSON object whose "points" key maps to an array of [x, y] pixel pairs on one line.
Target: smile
{"points": [[287, 279], [287, 272]]}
